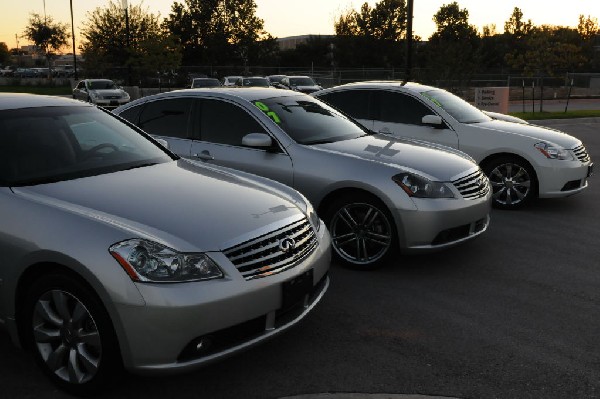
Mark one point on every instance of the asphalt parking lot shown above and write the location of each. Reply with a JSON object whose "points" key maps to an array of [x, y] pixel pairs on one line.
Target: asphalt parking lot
{"points": [[514, 314]]}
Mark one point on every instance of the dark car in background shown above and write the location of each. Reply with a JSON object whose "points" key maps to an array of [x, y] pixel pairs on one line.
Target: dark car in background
{"points": [[303, 84], [205, 82]]}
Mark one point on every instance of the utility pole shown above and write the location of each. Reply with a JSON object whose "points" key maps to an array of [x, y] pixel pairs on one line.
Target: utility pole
{"points": [[409, 40], [73, 36]]}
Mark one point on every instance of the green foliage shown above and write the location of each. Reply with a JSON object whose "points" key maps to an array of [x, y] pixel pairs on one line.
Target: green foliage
{"points": [[4, 54], [515, 26], [548, 50], [108, 49], [46, 34], [371, 36], [453, 49], [219, 32], [580, 113], [386, 20]]}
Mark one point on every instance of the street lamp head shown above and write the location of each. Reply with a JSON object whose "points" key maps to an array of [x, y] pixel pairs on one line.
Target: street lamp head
{"points": [[124, 4]]}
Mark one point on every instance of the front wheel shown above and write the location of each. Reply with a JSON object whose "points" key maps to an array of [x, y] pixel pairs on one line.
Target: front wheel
{"points": [[513, 182], [363, 233], [71, 335]]}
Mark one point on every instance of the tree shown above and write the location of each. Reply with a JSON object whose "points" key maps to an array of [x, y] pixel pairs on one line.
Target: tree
{"points": [[549, 50], [47, 35], [454, 47], [4, 54], [386, 20], [220, 32], [372, 35], [588, 30], [151, 49], [515, 26]]}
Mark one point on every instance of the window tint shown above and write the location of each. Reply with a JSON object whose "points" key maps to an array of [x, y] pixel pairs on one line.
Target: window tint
{"points": [[352, 102], [226, 123], [400, 108], [308, 120], [167, 117], [131, 114]]}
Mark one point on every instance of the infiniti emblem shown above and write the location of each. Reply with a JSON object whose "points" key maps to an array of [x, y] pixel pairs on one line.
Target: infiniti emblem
{"points": [[287, 244]]}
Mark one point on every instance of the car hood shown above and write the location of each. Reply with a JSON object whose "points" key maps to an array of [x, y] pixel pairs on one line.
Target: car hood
{"points": [[435, 163], [308, 89], [536, 132], [179, 204]]}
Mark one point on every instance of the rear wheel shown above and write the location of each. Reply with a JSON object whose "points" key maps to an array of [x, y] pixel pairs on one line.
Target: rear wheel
{"points": [[513, 182], [362, 231], [70, 334]]}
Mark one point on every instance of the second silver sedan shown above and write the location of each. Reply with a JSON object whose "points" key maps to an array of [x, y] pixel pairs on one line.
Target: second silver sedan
{"points": [[376, 193]]}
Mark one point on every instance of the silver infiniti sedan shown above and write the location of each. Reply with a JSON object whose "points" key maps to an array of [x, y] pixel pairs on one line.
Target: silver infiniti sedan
{"points": [[115, 252], [376, 193]]}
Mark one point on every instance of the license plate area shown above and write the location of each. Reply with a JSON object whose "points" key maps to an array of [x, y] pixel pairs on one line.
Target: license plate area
{"points": [[294, 290]]}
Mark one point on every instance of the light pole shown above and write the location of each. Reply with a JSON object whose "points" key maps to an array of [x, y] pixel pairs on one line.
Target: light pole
{"points": [[409, 40], [73, 36], [125, 7]]}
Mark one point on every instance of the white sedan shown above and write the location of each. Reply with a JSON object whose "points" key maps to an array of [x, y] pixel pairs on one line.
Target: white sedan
{"points": [[522, 161], [102, 92]]}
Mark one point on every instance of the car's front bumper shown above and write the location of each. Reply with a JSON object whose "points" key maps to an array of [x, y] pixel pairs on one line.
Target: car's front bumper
{"points": [[110, 103], [442, 223], [176, 328], [562, 178]]}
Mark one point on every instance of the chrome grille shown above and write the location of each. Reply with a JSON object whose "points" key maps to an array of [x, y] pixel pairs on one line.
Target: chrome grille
{"points": [[273, 252], [472, 186], [581, 153]]}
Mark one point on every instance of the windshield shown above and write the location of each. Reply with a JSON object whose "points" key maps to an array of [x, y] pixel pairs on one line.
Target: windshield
{"points": [[308, 120], [255, 82], [302, 82], [50, 144], [458, 108], [102, 85], [275, 78], [205, 83]]}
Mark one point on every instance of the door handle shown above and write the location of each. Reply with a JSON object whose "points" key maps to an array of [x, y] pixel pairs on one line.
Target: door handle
{"points": [[385, 130], [205, 156]]}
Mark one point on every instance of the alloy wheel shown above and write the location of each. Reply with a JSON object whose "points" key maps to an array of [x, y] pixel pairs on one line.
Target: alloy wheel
{"points": [[511, 184], [361, 233], [66, 337]]}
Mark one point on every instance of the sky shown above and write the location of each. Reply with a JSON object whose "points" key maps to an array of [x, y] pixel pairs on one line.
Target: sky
{"points": [[299, 17]]}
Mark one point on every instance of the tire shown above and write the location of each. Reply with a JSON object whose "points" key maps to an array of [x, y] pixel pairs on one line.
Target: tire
{"points": [[363, 233], [513, 180], [70, 334]]}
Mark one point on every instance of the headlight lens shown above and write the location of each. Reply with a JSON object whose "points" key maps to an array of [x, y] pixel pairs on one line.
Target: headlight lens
{"points": [[553, 152], [145, 260], [312, 216], [420, 187]]}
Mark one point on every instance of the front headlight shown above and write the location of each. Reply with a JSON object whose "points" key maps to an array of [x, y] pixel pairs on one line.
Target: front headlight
{"points": [[125, 96], [554, 152], [312, 216], [420, 187], [149, 261]]}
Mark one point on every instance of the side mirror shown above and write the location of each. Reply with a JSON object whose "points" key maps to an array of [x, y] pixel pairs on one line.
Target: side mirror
{"points": [[163, 142], [433, 120], [257, 140]]}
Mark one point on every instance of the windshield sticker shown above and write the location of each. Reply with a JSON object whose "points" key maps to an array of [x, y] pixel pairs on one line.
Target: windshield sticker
{"points": [[433, 100], [271, 114]]}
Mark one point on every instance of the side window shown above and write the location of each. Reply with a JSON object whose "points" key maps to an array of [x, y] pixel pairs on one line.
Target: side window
{"points": [[352, 102], [226, 123], [167, 117], [400, 108], [132, 114]]}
